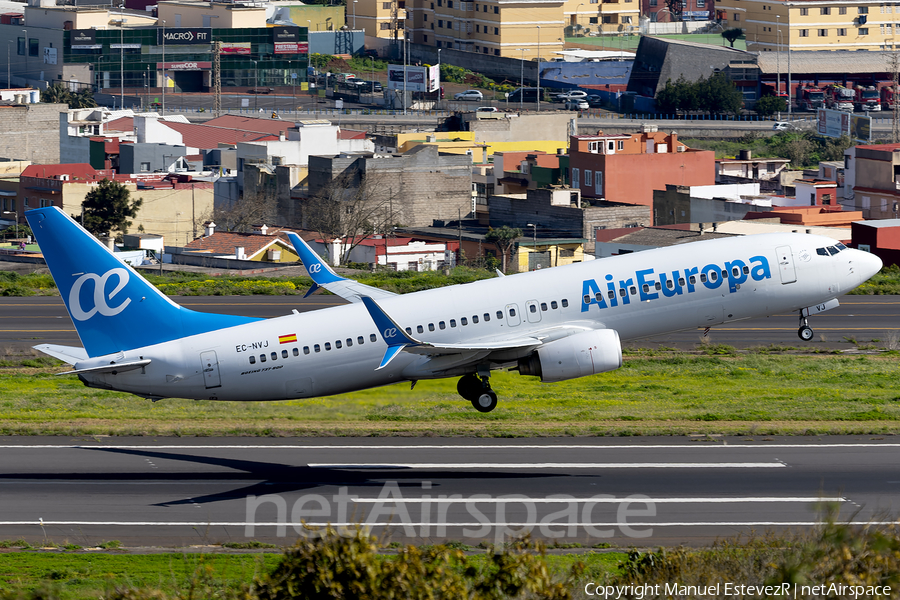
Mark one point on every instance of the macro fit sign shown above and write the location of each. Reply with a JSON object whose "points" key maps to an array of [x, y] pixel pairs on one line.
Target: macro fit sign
{"points": [[178, 36]]}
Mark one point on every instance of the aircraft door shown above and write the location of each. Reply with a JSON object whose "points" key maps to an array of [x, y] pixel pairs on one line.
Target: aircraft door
{"points": [[210, 365], [786, 264], [533, 311], [513, 317]]}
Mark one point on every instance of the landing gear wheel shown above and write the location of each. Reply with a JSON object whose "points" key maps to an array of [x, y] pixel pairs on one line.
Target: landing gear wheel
{"points": [[486, 401], [469, 387], [805, 332]]}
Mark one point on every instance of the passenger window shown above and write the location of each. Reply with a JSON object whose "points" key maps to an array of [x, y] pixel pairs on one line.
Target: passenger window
{"points": [[338, 344], [544, 306], [587, 298], [713, 276], [409, 330], [646, 288], [284, 354], [693, 280], [327, 346], [252, 360], [349, 342], [317, 348], [452, 322], [735, 271], [296, 351], [532, 308], [598, 296], [262, 358], [372, 337], [657, 285], [681, 281], [623, 292], [611, 294], [724, 274], [305, 349], [702, 277], [475, 318], [463, 321], [442, 325], [746, 270], [565, 303], [420, 329], [499, 314], [360, 340], [431, 327], [554, 305], [670, 284], [487, 317], [633, 290], [821, 251], [833, 250], [512, 312], [274, 356]]}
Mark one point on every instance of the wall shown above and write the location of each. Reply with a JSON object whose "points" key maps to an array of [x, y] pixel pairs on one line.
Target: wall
{"points": [[175, 213], [576, 74], [31, 132], [336, 42], [228, 16], [160, 156], [675, 205], [496, 67], [321, 18]]}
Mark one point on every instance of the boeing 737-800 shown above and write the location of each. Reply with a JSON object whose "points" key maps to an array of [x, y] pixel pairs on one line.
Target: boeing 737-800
{"points": [[555, 324]]}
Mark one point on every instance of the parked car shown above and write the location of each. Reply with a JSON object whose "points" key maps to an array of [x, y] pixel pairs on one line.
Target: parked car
{"points": [[469, 95], [487, 109], [577, 104], [594, 100], [260, 90], [570, 95], [781, 126]]}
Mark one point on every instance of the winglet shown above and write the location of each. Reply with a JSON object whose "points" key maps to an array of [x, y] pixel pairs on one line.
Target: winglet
{"points": [[393, 334], [320, 272]]}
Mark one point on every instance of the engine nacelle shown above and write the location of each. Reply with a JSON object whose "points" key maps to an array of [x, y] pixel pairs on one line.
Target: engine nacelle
{"points": [[578, 355]]}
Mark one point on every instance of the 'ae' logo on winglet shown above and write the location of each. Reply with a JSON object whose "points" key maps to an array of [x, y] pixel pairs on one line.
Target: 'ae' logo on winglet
{"points": [[101, 301]]}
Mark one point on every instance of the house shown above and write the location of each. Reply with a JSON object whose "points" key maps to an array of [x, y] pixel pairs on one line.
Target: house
{"points": [[543, 253], [881, 238], [394, 253], [264, 244], [746, 169], [872, 180]]}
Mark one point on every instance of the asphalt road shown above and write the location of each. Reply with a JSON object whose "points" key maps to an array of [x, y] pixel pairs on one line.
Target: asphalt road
{"points": [[25, 322], [638, 491]]}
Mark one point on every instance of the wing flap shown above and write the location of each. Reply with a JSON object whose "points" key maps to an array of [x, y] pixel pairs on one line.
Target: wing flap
{"points": [[324, 277]]}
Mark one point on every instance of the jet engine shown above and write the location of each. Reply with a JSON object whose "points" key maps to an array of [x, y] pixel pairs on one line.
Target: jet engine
{"points": [[578, 355]]}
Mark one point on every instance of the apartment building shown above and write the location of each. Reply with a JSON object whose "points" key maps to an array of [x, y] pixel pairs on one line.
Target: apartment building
{"points": [[813, 24], [518, 29]]}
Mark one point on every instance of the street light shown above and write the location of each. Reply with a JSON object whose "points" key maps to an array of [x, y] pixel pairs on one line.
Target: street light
{"points": [[13, 212], [522, 79], [164, 82], [778, 56], [533, 237], [255, 85], [8, 53], [575, 24], [355, 2], [25, 31], [122, 22]]}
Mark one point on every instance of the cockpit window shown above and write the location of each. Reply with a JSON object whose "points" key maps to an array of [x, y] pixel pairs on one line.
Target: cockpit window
{"points": [[833, 250], [822, 252], [840, 246]]}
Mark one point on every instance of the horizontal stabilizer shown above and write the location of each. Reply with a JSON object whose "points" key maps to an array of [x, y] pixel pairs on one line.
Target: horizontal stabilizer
{"points": [[111, 368], [67, 354], [324, 277]]}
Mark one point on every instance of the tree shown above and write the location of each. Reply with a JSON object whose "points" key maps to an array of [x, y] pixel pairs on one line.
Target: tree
{"points": [[351, 207], [108, 207], [769, 105], [733, 35], [675, 7], [719, 95], [242, 215], [504, 237], [58, 93]]}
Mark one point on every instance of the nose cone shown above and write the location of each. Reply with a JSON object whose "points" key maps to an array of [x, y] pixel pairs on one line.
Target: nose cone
{"points": [[865, 264]]}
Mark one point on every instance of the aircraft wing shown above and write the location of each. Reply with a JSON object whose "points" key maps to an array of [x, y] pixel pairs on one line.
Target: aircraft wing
{"points": [[67, 354], [324, 277], [398, 340]]}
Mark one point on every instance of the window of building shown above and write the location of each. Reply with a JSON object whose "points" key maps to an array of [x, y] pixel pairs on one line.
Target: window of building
{"points": [[825, 10], [440, 26], [804, 33], [33, 49], [496, 10], [386, 5], [654, 3], [804, 12], [842, 10], [496, 51], [425, 39], [863, 10], [592, 20], [737, 16], [477, 30], [823, 33], [449, 3], [145, 167], [863, 31], [496, 31], [20, 46], [841, 31], [587, 178], [385, 25]]}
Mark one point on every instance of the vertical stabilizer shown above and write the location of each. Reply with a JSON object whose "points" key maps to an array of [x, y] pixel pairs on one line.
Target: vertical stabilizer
{"points": [[113, 307]]}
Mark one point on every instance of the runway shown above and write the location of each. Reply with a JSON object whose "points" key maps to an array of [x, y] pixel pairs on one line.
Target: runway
{"points": [[625, 492], [26, 322]]}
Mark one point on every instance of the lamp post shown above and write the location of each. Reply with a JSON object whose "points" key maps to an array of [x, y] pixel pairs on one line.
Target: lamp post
{"points": [[255, 85], [539, 70], [164, 82], [8, 53], [355, 2], [533, 236], [522, 79], [122, 59], [25, 31], [575, 24], [778, 56], [13, 212]]}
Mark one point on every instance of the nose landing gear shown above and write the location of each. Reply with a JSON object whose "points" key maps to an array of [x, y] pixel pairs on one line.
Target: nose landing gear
{"points": [[805, 332], [477, 390]]}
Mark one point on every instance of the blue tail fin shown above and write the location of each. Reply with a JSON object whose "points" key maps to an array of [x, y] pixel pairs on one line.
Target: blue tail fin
{"points": [[112, 306]]}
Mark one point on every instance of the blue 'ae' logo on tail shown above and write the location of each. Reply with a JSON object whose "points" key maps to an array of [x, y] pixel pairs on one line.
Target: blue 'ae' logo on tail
{"points": [[101, 299]]}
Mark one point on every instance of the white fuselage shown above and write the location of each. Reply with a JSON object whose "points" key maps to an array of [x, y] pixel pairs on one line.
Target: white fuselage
{"points": [[338, 349]]}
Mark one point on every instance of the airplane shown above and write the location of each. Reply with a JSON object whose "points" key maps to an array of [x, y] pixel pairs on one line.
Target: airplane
{"points": [[556, 324]]}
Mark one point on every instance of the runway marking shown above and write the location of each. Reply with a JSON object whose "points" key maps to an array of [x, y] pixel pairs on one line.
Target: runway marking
{"points": [[439, 500], [707, 446], [364, 466]]}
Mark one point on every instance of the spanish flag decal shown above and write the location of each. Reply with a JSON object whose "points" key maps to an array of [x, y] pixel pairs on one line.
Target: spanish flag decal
{"points": [[287, 339]]}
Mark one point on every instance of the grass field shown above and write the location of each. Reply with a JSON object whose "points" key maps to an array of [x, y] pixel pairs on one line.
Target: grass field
{"points": [[715, 391]]}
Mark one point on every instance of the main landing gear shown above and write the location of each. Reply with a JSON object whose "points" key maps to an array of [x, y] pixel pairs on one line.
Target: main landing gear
{"points": [[805, 332], [477, 390]]}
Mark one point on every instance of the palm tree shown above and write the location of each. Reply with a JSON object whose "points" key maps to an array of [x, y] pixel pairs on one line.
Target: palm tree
{"points": [[732, 35], [56, 94]]}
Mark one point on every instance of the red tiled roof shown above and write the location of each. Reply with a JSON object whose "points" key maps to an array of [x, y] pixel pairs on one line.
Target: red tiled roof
{"points": [[79, 170], [224, 242], [271, 126], [206, 136], [350, 134], [121, 124]]}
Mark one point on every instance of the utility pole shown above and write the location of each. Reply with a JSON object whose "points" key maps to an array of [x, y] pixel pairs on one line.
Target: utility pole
{"points": [[217, 79], [894, 64]]}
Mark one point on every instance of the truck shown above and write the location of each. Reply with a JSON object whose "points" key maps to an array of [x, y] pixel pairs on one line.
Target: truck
{"points": [[839, 97], [867, 99], [887, 98], [810, 98]]}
